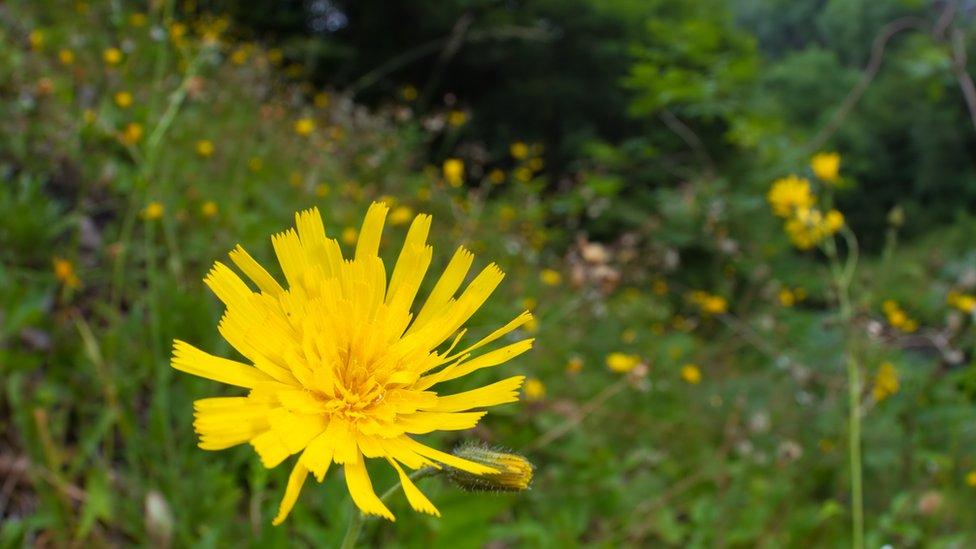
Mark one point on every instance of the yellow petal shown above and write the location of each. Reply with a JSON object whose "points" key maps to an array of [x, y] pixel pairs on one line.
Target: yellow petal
{"points": [[368, 244], [416, 498], [191, 360], [490, 395], [270, 448], [295, 481], [446, 459], [291, 256], [427, 422], [462, 368], [320, 250], [255, 271], [223, 422], [361, 490], [501, 332], [445, 288], [318, 456]]}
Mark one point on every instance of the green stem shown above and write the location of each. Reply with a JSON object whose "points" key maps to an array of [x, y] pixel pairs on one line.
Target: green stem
{"points": [[843, 276], [358, 518]]}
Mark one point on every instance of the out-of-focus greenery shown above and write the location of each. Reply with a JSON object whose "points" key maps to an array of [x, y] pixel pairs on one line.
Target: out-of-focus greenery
{"points": [[690, 376]]}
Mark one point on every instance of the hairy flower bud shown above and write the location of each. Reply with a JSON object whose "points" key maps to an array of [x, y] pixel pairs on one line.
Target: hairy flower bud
{"points": [[514, 471]]}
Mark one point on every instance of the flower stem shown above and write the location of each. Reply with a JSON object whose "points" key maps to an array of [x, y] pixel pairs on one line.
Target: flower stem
{"points": [[843, 276], [358, 518]]}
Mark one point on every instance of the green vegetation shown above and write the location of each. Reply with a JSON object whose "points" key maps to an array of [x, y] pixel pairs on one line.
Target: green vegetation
{"points": [[702, 328]]}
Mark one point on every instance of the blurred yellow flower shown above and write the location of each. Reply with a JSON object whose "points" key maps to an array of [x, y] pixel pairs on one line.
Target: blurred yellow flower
{"points": [[622, 363], [209, 208], [786, 297], [123, 99], [808, 227], [343, 370], [240, 55], [885, 382], [131, 134], [89, 116], [898, 318], [66, 56], [408, 93], [453, 171], [64, 271], [295, 179], [826, 166], [36, 39], [457, 118], [496, 176], [349, 235], [522, 174], [204, 148], [536, 164], [275, 56], [177, 31], [138, 19], [304, 126], [971, 479], [322, 190], [550, 277], [401, 215], [575, 365], [112, 56], [659, 286], [153, 210], [709, 304], [534, 390], [789, 194], [691, 374], [628, 336], [519, 150], [532, 325], [514, 472], [255, 164], [964, 302], [321, 100]]}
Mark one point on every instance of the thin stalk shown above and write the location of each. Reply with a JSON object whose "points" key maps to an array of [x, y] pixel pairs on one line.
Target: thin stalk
{"points": [[358, 518], [843, 275]]}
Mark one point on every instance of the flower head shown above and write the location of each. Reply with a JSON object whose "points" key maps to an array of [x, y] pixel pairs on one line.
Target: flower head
{"points": [[153, 210], [885, 382], [534, 389], [453, 171], [112, 56], [339, 369], [789, 194], [64, 271], [304, 126], [826, 166], [204, 148], [691, 374], [514, 471], [551, 277], [621, 362]]}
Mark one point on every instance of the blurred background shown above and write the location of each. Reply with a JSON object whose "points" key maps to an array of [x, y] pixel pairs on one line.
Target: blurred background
{"points": [[626, 162]]}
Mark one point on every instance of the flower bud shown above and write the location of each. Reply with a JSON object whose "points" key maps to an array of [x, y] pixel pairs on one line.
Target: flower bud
{"points": [[514, 471]]}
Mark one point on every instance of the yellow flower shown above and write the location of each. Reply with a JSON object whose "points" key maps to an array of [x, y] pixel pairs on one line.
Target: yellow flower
{"points": [[971, 479], [628, 336], [551, 277], [400, 215], [64, 271], [321, 100], [153, 210], [808, 227], [138, 19], [787, 298], [349, 235], [343, 370], [66, 56], [239, 56], [457, 118], [408, 93], [322, 190], [659, 286], [123, 99], [275, 56], [453, 171], [209, 208], [254, 164], [496, 176], [709, 304], [534, 390], [304, 126], [898, 318], [204, 148], [131, 134], [691, 374], [826, 166], [622, 363], [964, 302], [177, 31], [112, 56], [36, 39], [789, 194], [885, 382], [575, 365], [522, 174], [519, 150]]}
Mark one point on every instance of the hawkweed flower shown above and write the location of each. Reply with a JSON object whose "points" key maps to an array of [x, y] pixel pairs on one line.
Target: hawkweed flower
{"points": [[551, 277], [513, 473], [340, 369], [971, 479], [64, 271], [885, 382], [708, 304], [898, 318], [209, 208], [123, 99], [112, 56], [131, 134], [534, 390], [453, 171], [691, 374], [204, 148], [826, 166], [789, 194], [66, 57], [519, 150], [153, 210], [961, 301], [622, 362], [808, 227], [304, 126]]}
